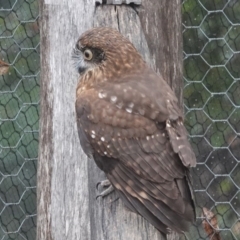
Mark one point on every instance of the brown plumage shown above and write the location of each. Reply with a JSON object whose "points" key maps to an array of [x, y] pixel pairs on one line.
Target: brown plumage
{"points": [[129, 122], [4, 67], [210, 224]]}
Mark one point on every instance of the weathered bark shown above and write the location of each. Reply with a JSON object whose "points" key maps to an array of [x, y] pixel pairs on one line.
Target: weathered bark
{"points": [[162, 25], [62, 191], [67, 205]]}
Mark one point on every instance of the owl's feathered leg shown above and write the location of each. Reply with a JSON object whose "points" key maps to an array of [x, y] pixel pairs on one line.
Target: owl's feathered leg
{"points": [[105, 183]]}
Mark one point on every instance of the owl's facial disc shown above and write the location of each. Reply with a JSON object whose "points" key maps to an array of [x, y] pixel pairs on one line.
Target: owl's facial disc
{"points": [[86, 58], [79, 61]]}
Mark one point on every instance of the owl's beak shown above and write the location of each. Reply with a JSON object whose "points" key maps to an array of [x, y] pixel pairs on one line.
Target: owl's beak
{"points": [[81, 69]]}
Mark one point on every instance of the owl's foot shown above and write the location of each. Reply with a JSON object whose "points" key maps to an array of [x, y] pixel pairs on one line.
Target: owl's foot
{"points": [[105, 183]]}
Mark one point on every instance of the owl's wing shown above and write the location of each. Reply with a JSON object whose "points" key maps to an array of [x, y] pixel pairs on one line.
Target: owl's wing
{"points": [[136, 142]]}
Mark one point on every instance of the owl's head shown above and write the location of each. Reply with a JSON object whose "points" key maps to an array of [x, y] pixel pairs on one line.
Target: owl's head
{"points": [[105, 47]]}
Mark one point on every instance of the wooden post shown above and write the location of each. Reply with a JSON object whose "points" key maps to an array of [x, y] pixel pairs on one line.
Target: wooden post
{"points": [[62, 187], [67, 205], [161, 22]]}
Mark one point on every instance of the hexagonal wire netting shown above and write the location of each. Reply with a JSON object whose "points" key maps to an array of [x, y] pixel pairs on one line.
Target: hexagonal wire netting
{"points": [[211, 36], [212, 105], [19, 115]]}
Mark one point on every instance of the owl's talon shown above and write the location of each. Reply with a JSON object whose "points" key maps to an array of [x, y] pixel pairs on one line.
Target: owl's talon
{"points": [[104, 183], [105, 192]]}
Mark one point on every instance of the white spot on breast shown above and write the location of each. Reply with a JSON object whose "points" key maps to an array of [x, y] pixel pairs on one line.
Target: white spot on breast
{"points": [[108, 146], [148, 138], [113, 99], [93, 134], [102, 139], [168, 100], [163, 134], [102, 94], [152, 136], [91, 117], [105, 153], [129, 110], [125, 90]]}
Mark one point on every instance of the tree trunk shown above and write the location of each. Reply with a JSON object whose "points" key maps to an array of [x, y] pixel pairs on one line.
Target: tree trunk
{"points": [[67, 205]]}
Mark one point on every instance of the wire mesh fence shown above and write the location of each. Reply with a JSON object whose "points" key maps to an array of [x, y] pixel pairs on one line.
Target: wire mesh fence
{"points": [[19, 103], [211, 34], [212, 105]]}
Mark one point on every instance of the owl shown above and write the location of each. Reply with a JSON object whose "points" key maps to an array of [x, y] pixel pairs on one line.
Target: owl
{"points": [[130, 124]]}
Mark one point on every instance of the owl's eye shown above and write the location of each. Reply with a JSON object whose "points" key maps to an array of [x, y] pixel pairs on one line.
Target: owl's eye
{"points": [[88, 55]]}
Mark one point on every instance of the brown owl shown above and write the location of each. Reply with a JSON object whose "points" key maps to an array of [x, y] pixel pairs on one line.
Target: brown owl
{"points": [[130, 123]]}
